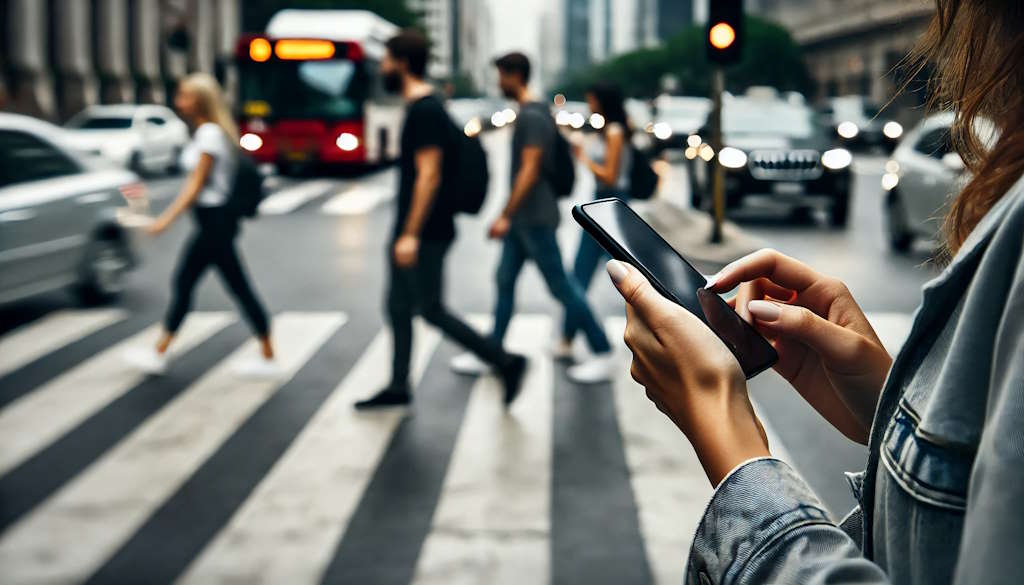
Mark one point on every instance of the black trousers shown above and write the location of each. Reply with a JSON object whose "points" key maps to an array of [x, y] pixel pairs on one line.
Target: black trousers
{"points": [[419, 289], [213, 244]]}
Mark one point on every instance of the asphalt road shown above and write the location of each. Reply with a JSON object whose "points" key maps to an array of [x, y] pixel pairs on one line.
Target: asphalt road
{"points": [[197, 477]]}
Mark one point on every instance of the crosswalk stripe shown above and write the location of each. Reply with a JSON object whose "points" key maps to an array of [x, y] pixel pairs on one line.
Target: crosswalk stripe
{"points": [[492, 523], [73, 532], [357, 200], [29, 343], [296, 515], [38, 418], [669, 484], [291, 198]]}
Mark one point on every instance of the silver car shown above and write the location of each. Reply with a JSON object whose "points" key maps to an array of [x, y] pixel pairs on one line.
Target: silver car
{"points": [[63, 215], [920, 177]]}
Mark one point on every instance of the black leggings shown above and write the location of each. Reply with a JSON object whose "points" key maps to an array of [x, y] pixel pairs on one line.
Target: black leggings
{"points": [[213, 243]]}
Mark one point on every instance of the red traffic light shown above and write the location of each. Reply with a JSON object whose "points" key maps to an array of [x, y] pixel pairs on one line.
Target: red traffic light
{"points": [[722, 35]]}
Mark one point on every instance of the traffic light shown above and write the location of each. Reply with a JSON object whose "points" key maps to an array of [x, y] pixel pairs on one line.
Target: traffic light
{"points": [[724, 38]]}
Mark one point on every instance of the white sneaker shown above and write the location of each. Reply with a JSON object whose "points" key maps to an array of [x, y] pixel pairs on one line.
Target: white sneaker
{"points": [[146, 359], [468, 364], [596, 369], [259, 368], [561, 350]]}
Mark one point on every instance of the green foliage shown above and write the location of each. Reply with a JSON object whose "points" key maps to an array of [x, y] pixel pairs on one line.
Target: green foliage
{"points": [[256, 13], [770, 57]]}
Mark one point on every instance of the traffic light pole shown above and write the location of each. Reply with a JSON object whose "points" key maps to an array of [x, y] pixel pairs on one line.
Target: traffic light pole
{"points": [[718, 176]]}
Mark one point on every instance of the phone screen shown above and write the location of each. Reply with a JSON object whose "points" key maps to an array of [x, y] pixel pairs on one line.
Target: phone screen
{"points": [[629, 238]]}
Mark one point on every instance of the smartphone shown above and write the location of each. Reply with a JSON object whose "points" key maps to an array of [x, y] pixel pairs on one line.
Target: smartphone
{"points": [[628, 238]]}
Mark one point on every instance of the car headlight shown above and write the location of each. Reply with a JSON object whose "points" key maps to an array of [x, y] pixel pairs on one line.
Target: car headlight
{"points": [[251, 142], [576, 121], [890, 180], [347, 141], [596, 121], [847, 129], [473, 127], [498, 119], [662, 131], [892, 130], [837, 158], [732, 158]]}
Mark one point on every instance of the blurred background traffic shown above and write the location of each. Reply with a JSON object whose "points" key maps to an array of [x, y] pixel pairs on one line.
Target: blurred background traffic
{"points": [[819, 153]]}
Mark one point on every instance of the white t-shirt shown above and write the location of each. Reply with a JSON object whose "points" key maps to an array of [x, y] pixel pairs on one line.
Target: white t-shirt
{"points": [[211, 139]]}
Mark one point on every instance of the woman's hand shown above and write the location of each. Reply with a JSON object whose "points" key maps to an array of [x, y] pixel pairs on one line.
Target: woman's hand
{"points": [[827, 349], [690, 375], [157, 226], [406, 251]]}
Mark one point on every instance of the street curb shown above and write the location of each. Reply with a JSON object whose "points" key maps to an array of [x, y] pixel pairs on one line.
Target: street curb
{"points": [[688, 231]]}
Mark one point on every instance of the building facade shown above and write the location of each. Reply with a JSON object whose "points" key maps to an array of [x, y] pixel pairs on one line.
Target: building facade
{"points": [[59, 56], [474, 46], [851, 46]]}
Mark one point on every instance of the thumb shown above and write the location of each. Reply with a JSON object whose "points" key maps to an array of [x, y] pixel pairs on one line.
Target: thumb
{"points": [[830, 341], [636, 290]]}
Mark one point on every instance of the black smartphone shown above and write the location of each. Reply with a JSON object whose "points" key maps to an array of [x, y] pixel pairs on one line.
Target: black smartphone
{"points": [[628, 238]]}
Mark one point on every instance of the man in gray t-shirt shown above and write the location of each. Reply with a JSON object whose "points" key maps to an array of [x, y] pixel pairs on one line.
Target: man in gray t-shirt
{"points": [[527, 226]]}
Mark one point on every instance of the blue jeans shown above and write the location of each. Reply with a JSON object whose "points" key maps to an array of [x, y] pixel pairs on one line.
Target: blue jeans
{"points": [[539, 244]]}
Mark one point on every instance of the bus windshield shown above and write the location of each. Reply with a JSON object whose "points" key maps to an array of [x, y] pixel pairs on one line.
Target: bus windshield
{"points": [[332, 89]]}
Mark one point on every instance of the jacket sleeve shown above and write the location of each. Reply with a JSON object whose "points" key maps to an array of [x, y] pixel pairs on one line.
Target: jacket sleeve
{"points": [[993, 530], [765, 525]]}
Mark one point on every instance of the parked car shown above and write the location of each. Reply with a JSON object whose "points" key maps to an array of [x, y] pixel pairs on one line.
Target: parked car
{"points": [[143, 138], [62, 220], [859, 123], [773, 148], [676, 118], [922, 174]]}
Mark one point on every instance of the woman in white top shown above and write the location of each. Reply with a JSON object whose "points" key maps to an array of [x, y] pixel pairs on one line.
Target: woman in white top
{"points": [[210, 158], [609, 158]]}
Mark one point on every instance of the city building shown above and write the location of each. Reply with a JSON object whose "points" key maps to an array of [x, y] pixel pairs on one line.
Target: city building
{"points": [[474, 47], [437, 18], [60, 56], [577, 35], [851, 46]]}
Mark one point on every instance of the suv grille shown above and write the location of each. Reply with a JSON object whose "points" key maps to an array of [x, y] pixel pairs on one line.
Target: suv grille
{"points": [[782, 165]]}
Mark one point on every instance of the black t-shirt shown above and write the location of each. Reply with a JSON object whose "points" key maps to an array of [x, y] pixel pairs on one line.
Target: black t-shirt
{"points": [[427, 125]]}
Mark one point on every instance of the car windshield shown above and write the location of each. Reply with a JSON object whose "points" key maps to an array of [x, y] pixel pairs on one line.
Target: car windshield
{"points": [[306, 89], [683, 112], [775, 118], [101, 123]]}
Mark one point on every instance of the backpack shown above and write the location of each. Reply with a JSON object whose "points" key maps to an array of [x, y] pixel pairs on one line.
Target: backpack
{"points": [[642, 179], [247, 191], [468, 188], [563, 174]]}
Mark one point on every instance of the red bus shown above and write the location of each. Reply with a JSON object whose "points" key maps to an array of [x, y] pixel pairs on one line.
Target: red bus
{"points": [[310, 91]]}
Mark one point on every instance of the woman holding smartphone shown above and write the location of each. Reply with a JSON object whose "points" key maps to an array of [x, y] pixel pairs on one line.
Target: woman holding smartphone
{"points": [[944, 424], [609, 158], [210, 158]]}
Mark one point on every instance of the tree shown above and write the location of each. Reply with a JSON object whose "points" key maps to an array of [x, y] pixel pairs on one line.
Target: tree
{"points": [[770, 57]]}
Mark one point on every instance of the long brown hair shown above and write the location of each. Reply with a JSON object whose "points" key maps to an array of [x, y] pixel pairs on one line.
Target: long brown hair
{"points": [[977, 48]]}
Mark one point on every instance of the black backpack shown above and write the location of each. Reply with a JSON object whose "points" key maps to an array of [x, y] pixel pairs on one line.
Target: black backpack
{"points": [[563, 174], [247, 191], [467, 190], [642, 179]]}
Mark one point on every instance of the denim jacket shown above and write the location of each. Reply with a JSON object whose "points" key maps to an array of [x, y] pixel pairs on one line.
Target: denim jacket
{"points": [[940, 499]]}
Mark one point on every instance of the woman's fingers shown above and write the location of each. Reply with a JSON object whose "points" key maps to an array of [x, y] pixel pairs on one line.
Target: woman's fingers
{"points": [[780, 269], [647, 303], [833, 343]]}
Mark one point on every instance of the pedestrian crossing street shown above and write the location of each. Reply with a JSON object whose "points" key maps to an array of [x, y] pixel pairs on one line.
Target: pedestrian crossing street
{"points": [[200, 477]]}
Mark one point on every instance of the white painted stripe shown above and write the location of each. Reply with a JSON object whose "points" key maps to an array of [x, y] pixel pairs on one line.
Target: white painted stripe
{"points": [[56, 330], [493, 521], [70, 535], [295, 517], [669, 484], [35, 420], [891, 328], [357, 200], [289, 199]]}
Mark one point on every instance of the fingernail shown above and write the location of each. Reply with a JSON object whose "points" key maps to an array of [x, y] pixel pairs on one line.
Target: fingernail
{"points": [[764, 310], [616, 270], [712, 280]]}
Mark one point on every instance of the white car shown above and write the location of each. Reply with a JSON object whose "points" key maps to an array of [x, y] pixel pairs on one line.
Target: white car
{"points": [[920, 177], [676, 119], [66, 218], [144, 138]]}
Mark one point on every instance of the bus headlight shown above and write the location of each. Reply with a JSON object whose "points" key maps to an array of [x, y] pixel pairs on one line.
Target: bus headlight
{"points": [[732, 158], [892, 130], [347, 141], [251, 142], [837, 158], [662, 131], [848, 130]]}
